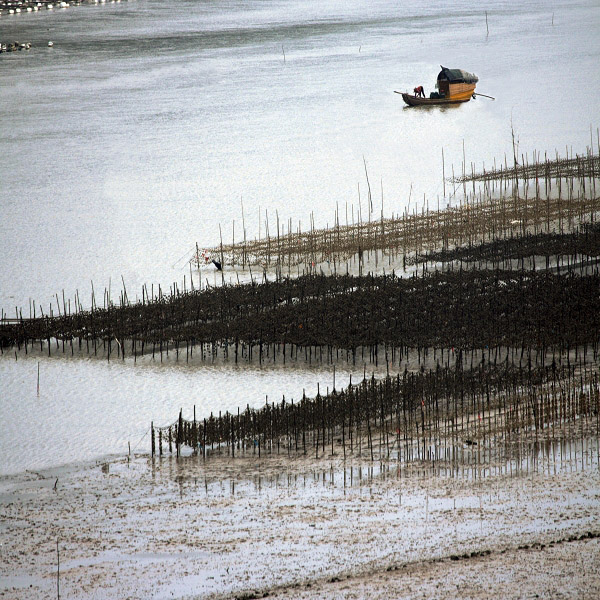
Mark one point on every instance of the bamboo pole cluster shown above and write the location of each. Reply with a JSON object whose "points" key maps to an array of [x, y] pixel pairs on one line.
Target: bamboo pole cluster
{"points": [[421, 415], [316, 317], [500, 324]]}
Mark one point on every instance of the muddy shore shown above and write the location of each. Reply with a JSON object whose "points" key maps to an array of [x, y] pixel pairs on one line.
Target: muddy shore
{"points": [[300, 528]]}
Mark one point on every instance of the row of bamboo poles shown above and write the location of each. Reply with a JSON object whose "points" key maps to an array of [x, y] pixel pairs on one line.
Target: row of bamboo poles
{"points": [[536, 168], [543, 196], [565, 251], [422, 415], [580, 246]]}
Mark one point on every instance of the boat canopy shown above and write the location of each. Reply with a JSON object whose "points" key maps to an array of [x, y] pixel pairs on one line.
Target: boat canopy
{"points": [[456, 76]]}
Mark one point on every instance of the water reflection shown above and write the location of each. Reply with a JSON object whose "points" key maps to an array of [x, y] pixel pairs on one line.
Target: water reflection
{"points": [[242, 476]]}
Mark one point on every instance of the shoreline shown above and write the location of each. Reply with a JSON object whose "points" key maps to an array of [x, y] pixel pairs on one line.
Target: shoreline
{"points": [[20, 6], [56, 470]]}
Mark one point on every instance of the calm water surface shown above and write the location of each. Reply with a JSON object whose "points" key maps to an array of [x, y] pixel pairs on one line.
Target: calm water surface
{"points": [[150, 122], [88, 407]]}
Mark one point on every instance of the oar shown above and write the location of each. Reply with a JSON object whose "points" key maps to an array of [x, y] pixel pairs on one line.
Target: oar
{"points": [[478, 94], [395, 92]]}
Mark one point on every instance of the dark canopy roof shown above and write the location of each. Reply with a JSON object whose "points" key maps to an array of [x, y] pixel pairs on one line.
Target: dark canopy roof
{"points": [[457, 76]]}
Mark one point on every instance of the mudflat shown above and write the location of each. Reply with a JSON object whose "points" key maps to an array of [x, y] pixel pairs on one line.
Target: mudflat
{"points": [[301, 528]]}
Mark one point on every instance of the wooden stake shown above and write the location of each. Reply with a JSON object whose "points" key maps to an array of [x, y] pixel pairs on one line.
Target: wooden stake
{"points": [[57, 571]]}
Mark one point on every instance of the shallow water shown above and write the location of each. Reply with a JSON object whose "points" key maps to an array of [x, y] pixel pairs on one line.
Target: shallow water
{"points": [[88, 408], [547, 458], [150, 122]]}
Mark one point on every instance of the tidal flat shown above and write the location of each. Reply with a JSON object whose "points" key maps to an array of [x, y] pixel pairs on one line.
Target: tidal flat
{"points": [[305, 528]]}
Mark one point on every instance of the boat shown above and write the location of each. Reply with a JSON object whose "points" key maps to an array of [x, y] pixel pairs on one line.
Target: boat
{"points": [[454, 86], [417, 101]]}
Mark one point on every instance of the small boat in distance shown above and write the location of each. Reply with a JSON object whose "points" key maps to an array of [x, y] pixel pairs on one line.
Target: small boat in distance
{"points": [[454, 86]]}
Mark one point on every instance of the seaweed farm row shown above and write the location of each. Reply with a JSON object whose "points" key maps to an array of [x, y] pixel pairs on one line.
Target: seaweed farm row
{"points": [[314, 317], [414, 416], [579, 247], [544, 196]]}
